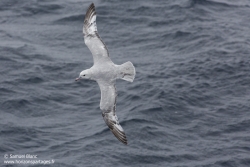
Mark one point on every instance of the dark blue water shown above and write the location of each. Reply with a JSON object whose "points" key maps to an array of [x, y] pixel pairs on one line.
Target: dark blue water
{"points": [[189, 105]]}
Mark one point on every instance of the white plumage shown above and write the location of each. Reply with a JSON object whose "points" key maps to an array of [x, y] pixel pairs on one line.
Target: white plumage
{"points": [[105, 73]]}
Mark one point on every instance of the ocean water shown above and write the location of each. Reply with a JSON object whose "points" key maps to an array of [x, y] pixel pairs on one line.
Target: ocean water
{"points": [[189, 105]]}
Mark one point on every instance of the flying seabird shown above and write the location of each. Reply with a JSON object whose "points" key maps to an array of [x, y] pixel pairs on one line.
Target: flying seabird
{"points": [[105, 73]]}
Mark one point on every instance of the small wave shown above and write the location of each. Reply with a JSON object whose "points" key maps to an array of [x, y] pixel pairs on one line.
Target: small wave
{"points": [[41, 9], [6, 91], [25, 52], [16, 104], [71, 18], [221, 3], [33, 80], [181, 34], [137, 120]]}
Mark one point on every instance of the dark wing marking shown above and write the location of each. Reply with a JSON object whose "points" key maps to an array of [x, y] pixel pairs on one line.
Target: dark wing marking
{"points": [[91, 36], [108, 107]]}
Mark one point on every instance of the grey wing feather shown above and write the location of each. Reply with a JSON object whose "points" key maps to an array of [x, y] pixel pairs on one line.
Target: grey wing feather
{"points": [[115, 128], [108, 107], [91, 37]]}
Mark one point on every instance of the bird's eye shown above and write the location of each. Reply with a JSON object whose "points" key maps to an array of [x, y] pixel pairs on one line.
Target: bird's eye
{"points": [[83, 74]]}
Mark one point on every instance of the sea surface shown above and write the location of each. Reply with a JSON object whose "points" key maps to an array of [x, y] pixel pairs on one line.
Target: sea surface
{"points": [[189, 105]]}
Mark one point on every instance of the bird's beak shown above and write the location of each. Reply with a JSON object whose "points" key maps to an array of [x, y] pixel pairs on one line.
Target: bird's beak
{"points": [[77, 79]]}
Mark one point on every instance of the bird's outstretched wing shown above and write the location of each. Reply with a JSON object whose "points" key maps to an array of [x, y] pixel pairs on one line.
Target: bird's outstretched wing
{"points": [[91, 37], [108, 107]]}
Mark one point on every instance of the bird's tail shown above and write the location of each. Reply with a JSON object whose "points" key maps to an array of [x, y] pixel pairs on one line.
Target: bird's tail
{"points": [[127, 71]]}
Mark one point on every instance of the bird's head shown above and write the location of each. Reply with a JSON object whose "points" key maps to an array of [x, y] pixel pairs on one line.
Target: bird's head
{"points": [[85, 74]]}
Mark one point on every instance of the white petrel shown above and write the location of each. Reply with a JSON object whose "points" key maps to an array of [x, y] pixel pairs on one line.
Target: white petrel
{"points": [[105, 73]]}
